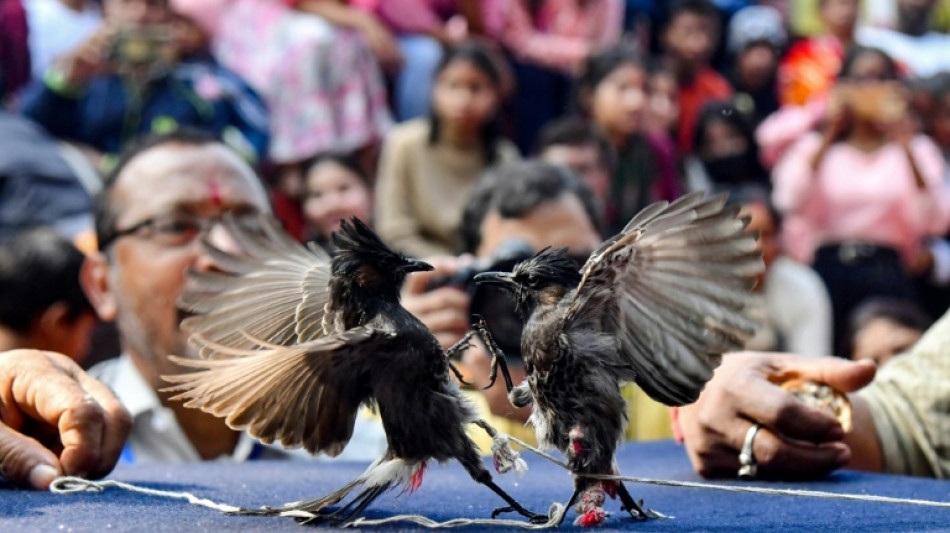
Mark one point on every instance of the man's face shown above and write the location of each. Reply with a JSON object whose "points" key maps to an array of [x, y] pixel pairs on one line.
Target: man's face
{"points": [[560, 222], [585, 160], [146, 272], [136, 12]]}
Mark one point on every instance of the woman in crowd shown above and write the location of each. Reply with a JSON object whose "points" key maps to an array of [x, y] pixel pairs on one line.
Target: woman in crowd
{"points": [[428, 166], [612, 91], [862, 195]]}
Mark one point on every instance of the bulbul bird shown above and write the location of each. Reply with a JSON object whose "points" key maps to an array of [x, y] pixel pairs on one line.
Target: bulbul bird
{"points": [[292, 343], [657, 305]]}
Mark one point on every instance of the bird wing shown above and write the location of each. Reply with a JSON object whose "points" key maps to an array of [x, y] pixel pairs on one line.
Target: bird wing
{"points": [[275, 291], [671, 288], [305, 394]]}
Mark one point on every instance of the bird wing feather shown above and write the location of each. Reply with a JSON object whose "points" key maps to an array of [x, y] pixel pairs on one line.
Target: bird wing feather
{"points": [[275, 291], [672, 288], [299, 395]]}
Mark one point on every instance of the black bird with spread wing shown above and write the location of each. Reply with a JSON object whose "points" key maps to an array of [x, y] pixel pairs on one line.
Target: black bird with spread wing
{"points": [[292, 343], [657, 304]]}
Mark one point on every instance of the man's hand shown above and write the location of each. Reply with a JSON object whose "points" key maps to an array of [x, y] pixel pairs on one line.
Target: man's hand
{"points": [[443, 310], [55, 419], [795, 441]]}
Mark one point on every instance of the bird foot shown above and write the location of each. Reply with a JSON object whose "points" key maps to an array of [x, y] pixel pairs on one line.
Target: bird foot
{"points": [[533, 518], [641, 514]]}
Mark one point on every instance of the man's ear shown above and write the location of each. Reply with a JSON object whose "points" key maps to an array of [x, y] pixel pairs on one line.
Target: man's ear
{"points": [[94, 278]]}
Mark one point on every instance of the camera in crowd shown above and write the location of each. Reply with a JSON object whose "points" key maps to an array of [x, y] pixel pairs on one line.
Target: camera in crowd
{"points": [[494, 304], [144, 47]]}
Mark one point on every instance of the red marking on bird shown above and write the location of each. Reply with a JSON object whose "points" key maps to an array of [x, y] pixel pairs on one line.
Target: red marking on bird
{"points": [[417, 477]]}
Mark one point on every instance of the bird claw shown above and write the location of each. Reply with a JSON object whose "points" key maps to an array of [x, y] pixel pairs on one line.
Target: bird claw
{"points": [[642, 514], [533, 518]]}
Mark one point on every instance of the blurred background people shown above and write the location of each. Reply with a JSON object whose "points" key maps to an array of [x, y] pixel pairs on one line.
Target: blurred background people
{"points": [[861, 197], [756, 40], [882, 329], [726, 156]]}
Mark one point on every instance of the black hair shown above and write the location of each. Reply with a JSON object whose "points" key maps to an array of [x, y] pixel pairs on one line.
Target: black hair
{"points": [[574, 131], [103, 213], [514, 189], [38, 268], [482, 59], [702, 8], [600, 65], [344, 160], [856, 52]]}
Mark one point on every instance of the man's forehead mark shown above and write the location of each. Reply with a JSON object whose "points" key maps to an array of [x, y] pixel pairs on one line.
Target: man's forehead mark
{"points": [[214, 192]]}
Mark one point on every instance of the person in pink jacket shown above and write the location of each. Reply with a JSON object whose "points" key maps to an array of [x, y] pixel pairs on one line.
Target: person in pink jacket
{"points": [[860, 197]]}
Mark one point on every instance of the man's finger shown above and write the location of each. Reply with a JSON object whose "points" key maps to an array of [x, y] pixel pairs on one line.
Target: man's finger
{"points": [[117, 425], [437, 300], [417, 282], [844, 375], [26, 462], [776, 408]]}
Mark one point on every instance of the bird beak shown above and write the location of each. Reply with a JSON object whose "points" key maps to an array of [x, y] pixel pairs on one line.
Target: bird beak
{"points": [[417, 266], [502, 279]]}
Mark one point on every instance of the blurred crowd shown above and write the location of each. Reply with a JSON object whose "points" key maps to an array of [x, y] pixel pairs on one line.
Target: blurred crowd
{"points": [[473, 133]]}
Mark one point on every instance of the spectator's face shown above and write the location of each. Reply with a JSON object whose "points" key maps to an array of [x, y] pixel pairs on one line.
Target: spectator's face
{"points": [[585, 160], [334, 193], [664, 111], [136, 12], [881, 339], [464, 97], [560, 222], [691, 38], [618, 103], [839, 16], [762, 223], [140, 281], [755, 66]]}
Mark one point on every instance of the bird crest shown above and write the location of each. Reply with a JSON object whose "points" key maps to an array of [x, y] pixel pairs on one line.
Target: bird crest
{"points": [[547, 266]]}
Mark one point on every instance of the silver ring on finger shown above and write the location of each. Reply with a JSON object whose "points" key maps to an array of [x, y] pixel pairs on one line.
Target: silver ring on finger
{"points": [[748, 468]]}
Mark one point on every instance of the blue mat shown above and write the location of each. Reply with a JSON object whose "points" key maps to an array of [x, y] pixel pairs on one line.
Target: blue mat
{"points": [[447, 493]]}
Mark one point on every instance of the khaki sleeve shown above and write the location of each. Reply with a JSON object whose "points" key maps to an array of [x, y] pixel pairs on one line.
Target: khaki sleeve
{"points": [[909, 401]]}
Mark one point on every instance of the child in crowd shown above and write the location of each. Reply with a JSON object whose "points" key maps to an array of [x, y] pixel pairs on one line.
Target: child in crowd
{"points": [[428, 166], [42, 305], [612, 92], [334, 189], [689, 40]]}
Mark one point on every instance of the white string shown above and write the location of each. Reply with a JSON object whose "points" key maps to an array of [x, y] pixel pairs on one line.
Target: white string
{"points": [[740, 488], [72, 484]]}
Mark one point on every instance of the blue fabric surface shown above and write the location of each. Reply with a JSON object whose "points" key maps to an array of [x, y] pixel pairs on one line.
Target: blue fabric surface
{"points": [[448, 493]]}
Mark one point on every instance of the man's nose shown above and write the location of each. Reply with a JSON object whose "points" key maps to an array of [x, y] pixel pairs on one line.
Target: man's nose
{"points": [[221, 239]]}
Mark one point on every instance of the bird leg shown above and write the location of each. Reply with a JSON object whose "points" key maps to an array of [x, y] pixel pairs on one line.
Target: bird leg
{"points": [[513, 505], [570, 502], [454, 352], [498, 359], [362, 501]]}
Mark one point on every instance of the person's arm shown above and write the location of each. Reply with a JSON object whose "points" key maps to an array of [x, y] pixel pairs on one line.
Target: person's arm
{"points": [[56, 420], [796, 441]]}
